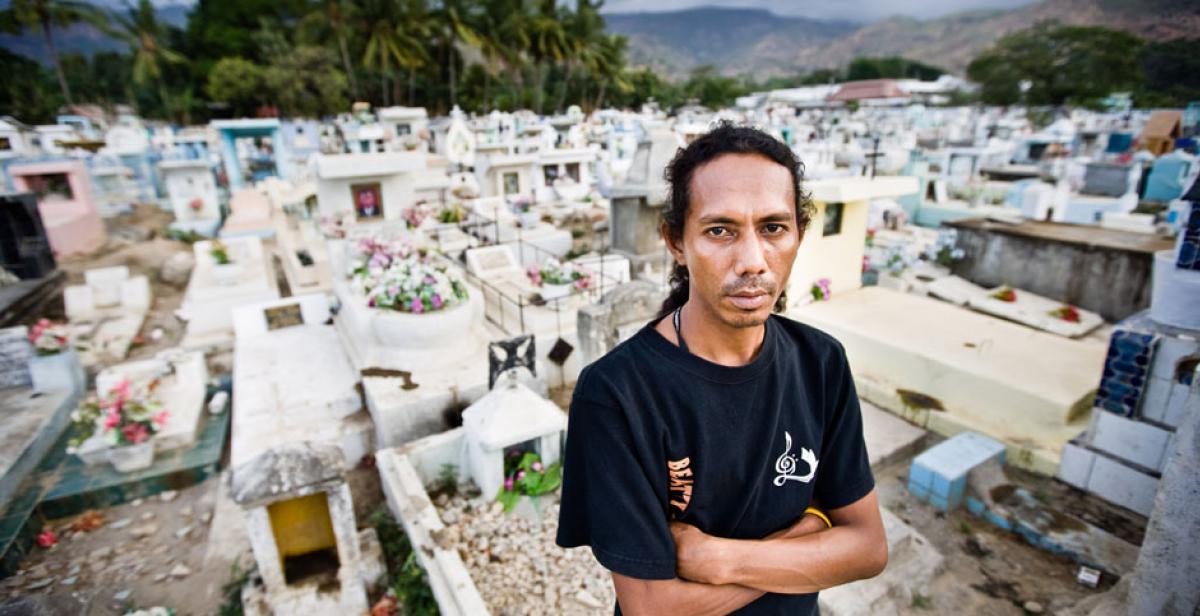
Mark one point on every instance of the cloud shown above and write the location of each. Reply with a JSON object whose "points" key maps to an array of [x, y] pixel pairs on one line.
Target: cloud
{"points": [[852, 10]]}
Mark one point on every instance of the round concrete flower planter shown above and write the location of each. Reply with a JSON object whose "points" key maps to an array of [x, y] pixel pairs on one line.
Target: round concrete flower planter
{"points": [[555, 291], [405, 330]]}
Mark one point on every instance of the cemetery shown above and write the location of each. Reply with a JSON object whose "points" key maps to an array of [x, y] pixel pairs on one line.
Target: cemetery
{"points": [[335, 354]]}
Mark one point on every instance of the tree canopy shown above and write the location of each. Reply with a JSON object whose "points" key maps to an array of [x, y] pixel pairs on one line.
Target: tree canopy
{"points": [[1050, 64]]}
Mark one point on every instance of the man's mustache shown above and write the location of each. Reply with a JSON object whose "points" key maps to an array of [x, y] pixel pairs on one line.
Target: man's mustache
{"points": [[750, 283]]}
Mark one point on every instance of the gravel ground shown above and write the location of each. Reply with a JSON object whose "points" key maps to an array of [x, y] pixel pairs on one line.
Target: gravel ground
{"points": [[516, 565]]}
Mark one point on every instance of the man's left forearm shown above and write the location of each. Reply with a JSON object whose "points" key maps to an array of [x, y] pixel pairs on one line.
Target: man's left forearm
{"points": [[855, 548]]}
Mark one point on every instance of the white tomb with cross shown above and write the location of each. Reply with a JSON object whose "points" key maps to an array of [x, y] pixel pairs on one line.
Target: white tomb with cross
{"points": [[510, 418]]}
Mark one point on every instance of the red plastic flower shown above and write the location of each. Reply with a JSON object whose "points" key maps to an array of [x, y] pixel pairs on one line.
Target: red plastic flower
{"points": [[1067, 313], [47, 538], [161, 418], [1005, 295]]}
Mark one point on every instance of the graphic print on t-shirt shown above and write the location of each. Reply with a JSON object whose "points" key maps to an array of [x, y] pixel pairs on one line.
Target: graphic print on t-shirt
{"points": [[681, 483], [785, 464]]}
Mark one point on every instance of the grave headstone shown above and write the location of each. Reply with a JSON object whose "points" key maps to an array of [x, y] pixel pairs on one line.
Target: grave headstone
{"points": [[619, 314], [1106, 179], [15, 353]]}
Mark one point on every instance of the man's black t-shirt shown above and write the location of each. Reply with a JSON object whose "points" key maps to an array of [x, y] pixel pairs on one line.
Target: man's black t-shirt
{"points": [[656, 433]]}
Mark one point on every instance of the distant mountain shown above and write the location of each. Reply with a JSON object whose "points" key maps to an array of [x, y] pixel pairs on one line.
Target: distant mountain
{"points": [[761, 44], [732, 39]]}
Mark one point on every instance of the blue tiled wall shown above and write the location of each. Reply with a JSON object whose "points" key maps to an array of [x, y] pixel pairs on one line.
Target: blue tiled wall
{"points": [[1126, 370]]}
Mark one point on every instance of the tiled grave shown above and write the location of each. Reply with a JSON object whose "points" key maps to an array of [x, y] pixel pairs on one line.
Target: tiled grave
{"points": [[1125, 372], [62, 486]]}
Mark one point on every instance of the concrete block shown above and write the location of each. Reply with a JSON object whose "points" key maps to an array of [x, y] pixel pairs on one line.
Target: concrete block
{"points": [[135, 294], [942, 470], [1123, 485], [1076, 466], [1170, 351], [888, 437], [78, 302], [1128, 439], [1183, 400], [1155, 399]]}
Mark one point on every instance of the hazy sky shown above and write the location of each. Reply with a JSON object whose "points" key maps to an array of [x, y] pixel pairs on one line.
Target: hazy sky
{"points": [[854, 10]]}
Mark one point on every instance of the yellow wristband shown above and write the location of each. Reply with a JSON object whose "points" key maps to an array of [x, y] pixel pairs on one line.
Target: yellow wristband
{"points": [[819, 514]]}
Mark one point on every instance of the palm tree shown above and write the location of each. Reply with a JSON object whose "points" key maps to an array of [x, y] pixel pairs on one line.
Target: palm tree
{"points": [[334, 15], [608, 65], [452, 24], [502, 39], [47, 15], [391, 37], [548, 43], [140, 28], [583, 31]]}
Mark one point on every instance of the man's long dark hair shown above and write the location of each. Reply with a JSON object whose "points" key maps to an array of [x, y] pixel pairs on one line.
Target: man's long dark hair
{"points": [[725, 138]]}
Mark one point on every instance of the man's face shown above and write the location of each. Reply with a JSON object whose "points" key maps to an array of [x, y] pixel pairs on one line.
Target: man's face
{"points": [[740, 237]]}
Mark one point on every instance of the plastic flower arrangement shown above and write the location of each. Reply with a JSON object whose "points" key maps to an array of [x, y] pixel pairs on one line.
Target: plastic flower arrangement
{"points": [[821, 290], [552, 272], [452, 214], [415, 215], [49, 338], [1005, 294], [220, 253], [1066, 312], [898, 260], [395, 276], [524, 475], [944, 252], [123, 416]]}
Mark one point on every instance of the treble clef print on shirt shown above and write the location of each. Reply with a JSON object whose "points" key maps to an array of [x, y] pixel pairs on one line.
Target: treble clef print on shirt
{"points": [[785, 464]]}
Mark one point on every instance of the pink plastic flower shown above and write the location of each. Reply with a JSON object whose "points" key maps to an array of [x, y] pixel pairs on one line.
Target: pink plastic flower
{"points": [[112, 420], [536, 466], [161, 418], [417, 306], [122, 388], [135, 433], [520, 475], [508, 484], [436, 301]]}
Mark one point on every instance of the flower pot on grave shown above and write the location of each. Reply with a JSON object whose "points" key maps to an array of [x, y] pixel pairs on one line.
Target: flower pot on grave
{"points": [[228, 273], [131, 458], [555, 291], [94, 451], [57, 371]]}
